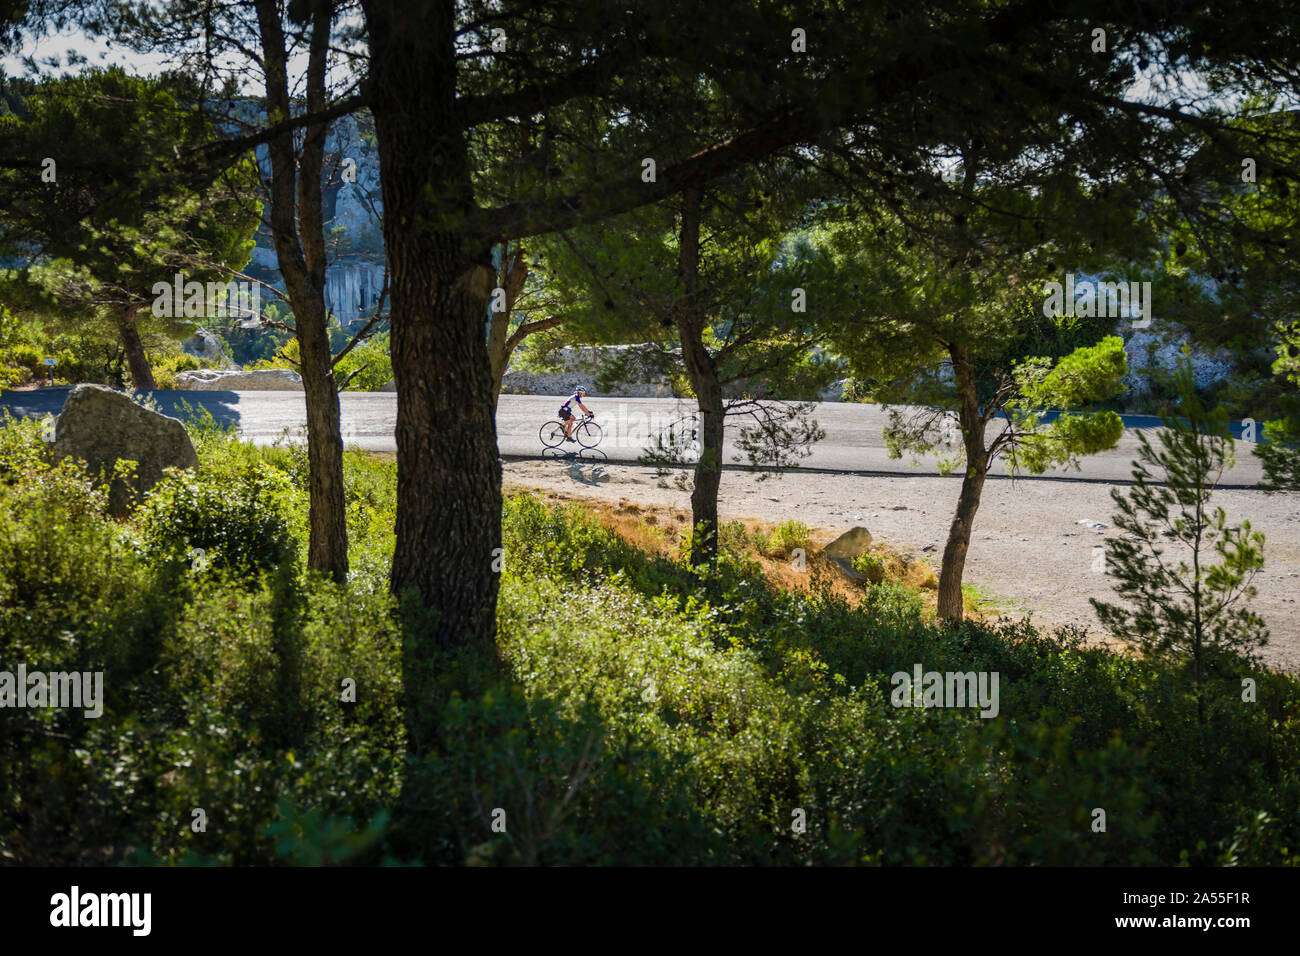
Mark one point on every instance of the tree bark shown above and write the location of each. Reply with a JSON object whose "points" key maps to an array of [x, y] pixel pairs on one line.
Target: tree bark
{"points": [[448, 472], [972, 486], [703, 372], [133, 348], [510, 278], [708, 469], [327, 549], [300, 248]]}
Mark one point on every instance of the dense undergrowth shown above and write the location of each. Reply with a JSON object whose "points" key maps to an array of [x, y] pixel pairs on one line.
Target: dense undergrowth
{"points": [[632, 712]]}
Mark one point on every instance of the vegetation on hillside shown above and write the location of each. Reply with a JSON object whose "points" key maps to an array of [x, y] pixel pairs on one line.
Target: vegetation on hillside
{"points": [[621, 716]]}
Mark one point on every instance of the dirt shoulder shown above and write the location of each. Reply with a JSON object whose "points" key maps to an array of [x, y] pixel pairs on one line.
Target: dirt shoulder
{"points": [[1028, 551]]}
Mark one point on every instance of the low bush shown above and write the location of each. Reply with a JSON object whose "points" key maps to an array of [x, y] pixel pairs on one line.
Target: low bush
{"points": [[784, 538], [368, 367], [236, 523], [167, 367]]}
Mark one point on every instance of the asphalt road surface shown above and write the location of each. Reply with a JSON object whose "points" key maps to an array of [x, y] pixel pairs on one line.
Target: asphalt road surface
{"points": [[853, 441]]}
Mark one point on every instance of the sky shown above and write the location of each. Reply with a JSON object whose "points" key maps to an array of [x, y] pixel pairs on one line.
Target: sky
{"points": [[1147, 87], [97, 51]]}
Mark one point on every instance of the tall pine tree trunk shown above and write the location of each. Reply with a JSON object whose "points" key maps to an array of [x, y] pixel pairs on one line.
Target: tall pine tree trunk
{"points": [[297, 230], [972, 486], [708, 469], [327, 548], [133, 348], [703, 373], [448, 472], [510, 279]]}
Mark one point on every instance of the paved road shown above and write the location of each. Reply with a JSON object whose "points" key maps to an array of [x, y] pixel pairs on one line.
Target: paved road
{"points": [[853, 441]]}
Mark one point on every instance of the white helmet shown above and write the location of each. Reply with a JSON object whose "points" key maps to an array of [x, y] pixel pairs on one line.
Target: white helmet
{"points": [[580, 388]]}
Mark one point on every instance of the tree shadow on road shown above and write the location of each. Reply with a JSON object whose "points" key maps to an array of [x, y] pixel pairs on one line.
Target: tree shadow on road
{"points": [[36, 403], [586, 465]]}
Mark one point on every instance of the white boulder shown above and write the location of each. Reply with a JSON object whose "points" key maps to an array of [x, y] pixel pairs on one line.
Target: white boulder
{"points": [[240, 380]]}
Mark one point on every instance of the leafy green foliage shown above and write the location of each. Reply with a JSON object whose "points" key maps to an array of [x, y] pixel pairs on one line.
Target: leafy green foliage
{"points": [[1281, 455], [118, 216], [85, 352], [629, 714], [1087, 375], [235, 517], [366, 368], [1183, 605], [785, 537]]}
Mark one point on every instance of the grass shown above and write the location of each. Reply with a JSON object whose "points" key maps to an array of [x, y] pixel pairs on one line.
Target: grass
{"points": [[983, 603], [771, 547]]}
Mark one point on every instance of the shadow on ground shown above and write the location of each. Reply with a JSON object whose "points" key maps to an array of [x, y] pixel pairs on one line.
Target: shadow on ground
{"points": [[37, 403]]}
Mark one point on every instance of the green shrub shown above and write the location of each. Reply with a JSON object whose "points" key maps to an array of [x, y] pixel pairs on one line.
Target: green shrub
{"points": [[368, 367], [22, 447], [870, 566], [785, 537], [734, 537], [29, 358], [167, 367], [234, 516]]}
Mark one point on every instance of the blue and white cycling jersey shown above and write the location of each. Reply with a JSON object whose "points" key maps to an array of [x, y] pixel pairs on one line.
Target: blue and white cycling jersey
{"points": [[573, 399]]}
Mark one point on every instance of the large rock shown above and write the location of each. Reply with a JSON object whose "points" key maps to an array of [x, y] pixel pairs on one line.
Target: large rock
{"points": [[100, 426], [241, 380], [849, 545], [1159, 350], [204, 345], [845, 548], [846, 568]]}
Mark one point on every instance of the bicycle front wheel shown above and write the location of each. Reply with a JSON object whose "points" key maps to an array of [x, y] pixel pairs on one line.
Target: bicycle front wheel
{"points": [[551, 434], [588, 434]]}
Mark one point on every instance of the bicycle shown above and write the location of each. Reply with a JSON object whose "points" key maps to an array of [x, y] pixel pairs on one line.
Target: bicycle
{"points": [[587, 432]]}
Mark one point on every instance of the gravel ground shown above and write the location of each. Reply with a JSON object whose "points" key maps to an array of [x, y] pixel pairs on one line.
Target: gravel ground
{"points": [[1027, 550]]}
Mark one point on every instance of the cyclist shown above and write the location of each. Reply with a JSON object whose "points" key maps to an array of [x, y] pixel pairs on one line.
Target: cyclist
{"points": [[566, 414]]}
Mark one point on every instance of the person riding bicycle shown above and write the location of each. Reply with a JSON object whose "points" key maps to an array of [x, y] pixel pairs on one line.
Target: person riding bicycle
{"points": [[566, 414]]}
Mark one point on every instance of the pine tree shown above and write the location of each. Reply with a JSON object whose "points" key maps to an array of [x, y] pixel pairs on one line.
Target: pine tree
{"points": [[1180, 604]]}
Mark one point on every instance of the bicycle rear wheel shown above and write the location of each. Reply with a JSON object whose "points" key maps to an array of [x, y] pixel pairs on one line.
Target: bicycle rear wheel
{"points": [[588, 434], [551, 434]]}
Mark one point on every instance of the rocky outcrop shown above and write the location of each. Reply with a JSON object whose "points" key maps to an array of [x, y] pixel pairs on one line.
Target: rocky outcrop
{"points": [[351, 201], [1160, 349], [352, 289], [100, 426], [241, 380], [357, 182], [206, 346], [622, 371]]}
